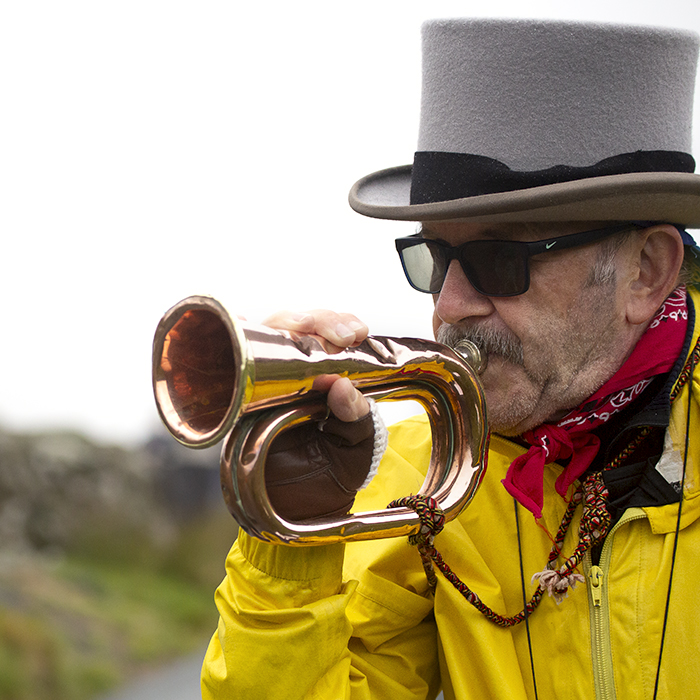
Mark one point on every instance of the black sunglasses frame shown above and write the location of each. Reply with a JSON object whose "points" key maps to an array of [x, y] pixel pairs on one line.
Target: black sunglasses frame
{"points": [[461, 252]]}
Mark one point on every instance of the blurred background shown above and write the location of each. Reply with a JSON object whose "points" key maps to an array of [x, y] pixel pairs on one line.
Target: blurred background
{"points": [[150, 150]]}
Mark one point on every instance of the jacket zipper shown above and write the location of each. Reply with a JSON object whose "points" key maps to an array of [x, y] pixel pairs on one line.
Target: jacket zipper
{"points": [[599, 607]]}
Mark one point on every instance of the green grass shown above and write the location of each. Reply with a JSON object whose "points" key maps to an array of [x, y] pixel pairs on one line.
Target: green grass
{"points": [[75, 626]]}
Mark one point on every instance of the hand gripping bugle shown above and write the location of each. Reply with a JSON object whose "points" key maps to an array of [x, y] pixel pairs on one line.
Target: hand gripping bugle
{"points": [[214, 374]]}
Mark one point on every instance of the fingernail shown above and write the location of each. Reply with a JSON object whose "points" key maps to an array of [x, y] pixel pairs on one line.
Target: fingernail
{"points": [[300, 317], [342, 331], [356, 326]]}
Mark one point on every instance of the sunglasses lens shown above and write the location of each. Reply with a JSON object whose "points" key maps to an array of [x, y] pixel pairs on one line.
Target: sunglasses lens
{"points": [[496, 268], [425, 266]]}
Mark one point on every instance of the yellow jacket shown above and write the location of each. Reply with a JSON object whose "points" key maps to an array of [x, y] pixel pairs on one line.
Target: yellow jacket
{"points": [[358, 621]]}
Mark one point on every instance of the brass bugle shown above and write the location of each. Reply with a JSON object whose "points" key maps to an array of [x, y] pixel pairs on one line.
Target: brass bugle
{"points": [[215, 375]]}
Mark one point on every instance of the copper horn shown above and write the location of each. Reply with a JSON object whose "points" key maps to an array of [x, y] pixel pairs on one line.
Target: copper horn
{"points": [[214, 374]]}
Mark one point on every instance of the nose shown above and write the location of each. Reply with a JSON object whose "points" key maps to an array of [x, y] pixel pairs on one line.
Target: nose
{"points": [[458, 300]]}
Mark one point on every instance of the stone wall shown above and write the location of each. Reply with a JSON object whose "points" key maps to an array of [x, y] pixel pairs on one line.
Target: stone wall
{"points": [[59, 489]]}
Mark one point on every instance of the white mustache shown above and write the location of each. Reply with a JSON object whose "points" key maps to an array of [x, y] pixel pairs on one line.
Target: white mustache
{"points": [[491, 342]]}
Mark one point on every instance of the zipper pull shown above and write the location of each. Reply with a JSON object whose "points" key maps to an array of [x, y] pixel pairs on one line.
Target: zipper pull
{"points": [[596, 577]]}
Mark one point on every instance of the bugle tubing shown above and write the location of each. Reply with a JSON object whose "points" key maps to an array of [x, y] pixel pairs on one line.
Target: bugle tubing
{"points": [[214, 374]]}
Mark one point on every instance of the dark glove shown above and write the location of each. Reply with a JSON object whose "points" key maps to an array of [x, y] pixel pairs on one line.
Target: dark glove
{"points": [[315, 470]]}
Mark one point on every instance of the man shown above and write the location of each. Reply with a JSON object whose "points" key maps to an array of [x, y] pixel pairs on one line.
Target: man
{"points": [[553, 185]]}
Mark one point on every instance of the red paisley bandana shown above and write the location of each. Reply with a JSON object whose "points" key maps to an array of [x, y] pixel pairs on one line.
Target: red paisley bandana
{"points": [[571, 438]]}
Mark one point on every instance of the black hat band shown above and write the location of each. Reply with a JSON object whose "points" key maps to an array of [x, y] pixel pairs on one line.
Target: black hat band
{"points": [[440, 177]]}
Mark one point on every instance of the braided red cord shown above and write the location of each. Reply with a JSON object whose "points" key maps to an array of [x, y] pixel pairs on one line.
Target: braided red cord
{"points": [[432, 521], [593, 527]]}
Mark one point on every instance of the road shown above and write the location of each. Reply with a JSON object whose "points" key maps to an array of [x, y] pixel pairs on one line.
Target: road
{"points": [[176, 681]]}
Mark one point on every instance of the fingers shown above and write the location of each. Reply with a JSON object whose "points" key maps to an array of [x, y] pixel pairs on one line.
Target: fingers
{"points": [[291, 321], [341, 329], [346, 402]]}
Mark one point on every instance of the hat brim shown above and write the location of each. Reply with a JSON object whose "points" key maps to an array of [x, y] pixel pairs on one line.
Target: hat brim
{"points": [[670, 197]]}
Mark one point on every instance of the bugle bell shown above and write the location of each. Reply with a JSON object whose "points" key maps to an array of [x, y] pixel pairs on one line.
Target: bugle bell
{"points": [[214, 374]]}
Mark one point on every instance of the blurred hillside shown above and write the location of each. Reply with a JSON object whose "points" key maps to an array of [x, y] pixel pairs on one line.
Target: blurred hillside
{"points": [[108, 560]]}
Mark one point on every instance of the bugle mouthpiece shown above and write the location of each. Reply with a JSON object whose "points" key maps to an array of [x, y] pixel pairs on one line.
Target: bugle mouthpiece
{"points": [[471, 353]]}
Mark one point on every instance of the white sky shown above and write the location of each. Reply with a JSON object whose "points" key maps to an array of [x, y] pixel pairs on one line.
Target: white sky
{"points": [[153, 149]]}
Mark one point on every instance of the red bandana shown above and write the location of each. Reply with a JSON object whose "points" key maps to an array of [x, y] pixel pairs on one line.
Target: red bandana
{"points": [[654, 354]]}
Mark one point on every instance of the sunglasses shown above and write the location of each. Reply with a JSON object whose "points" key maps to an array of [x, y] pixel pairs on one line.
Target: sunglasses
{"points": [[494, 268]]}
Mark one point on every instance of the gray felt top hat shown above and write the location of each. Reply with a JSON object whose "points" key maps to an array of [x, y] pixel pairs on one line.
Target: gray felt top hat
{"points": [[525, 120]]}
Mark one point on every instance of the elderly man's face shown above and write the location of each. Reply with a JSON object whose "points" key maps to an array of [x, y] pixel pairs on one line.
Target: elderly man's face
{"points": [[548, 349]]}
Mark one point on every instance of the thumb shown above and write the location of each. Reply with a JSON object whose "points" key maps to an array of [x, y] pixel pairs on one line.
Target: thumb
{"points": [[346, 402]]}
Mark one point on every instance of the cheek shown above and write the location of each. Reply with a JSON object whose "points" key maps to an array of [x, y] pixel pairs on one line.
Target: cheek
{"points": [[561, 277], [555, 297], [540, 330]]}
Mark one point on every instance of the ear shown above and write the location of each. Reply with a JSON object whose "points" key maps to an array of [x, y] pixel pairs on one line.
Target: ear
{"points": [[654, 260]]}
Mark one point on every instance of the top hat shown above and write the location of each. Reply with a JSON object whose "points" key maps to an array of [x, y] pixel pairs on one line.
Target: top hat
{"points": [[525, 120]]}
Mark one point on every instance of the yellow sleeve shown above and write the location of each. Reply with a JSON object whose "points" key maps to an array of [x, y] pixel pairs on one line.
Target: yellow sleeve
{"points": [[282, 622], [294, 623], [290, 628]]}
